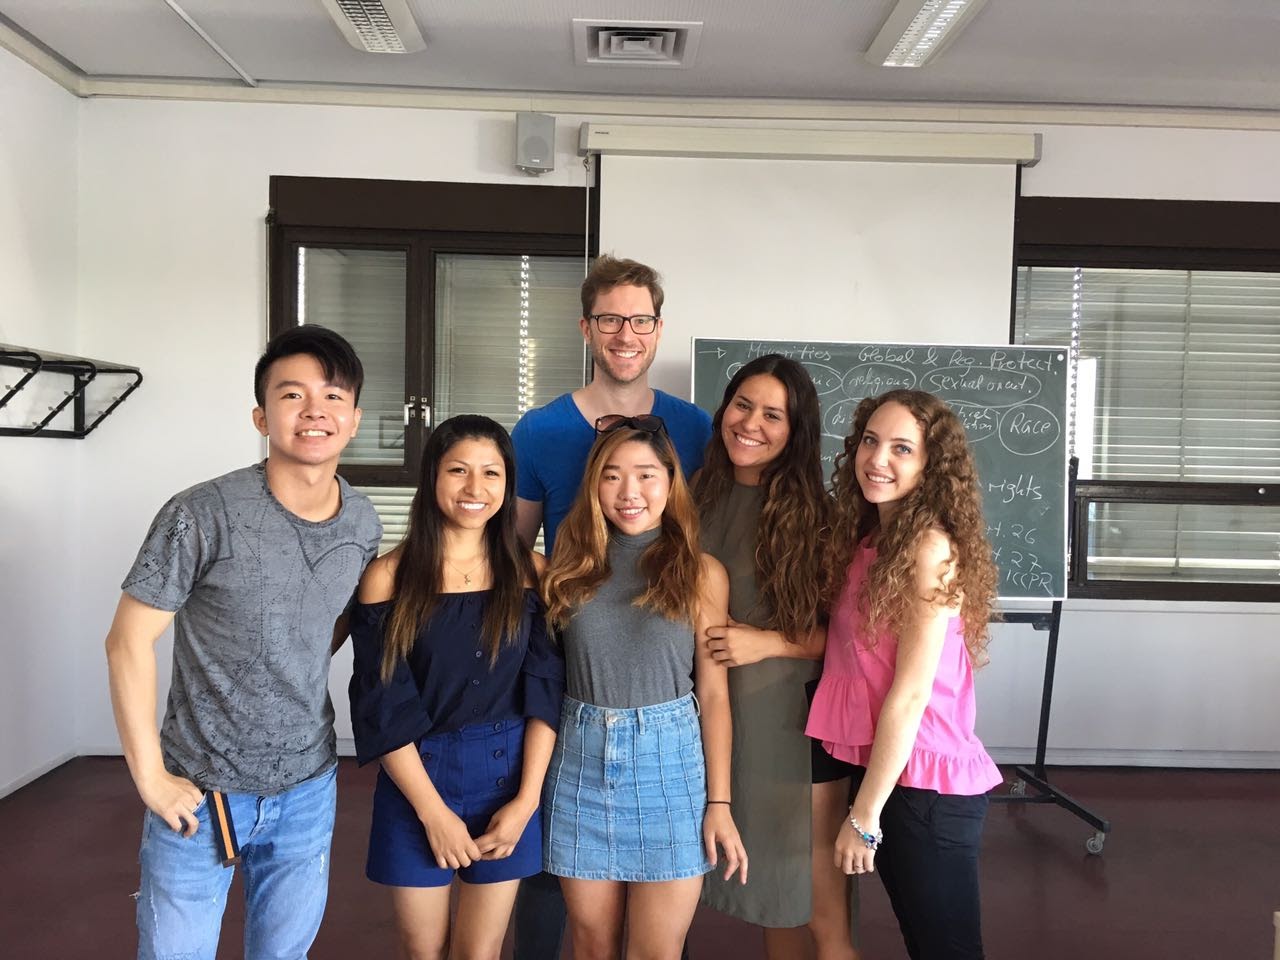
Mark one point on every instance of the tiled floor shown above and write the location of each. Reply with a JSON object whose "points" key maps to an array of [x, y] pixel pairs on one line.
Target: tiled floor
{"points": [[1192, 869]]}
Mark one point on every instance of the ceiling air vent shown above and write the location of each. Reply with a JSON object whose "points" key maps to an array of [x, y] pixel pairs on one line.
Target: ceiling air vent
{"points": [[377, 26], [635, 43]]}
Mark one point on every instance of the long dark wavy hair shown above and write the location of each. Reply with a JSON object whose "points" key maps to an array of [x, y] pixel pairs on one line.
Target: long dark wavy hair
{"points": [[671, 566], [947, 498], [420, 556], [792, 567]]}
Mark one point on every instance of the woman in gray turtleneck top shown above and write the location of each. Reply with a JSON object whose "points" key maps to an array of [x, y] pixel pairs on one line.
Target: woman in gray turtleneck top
{"points": [[636, 806]]}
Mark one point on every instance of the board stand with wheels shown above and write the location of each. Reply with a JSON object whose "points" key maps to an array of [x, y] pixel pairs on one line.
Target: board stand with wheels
{"points": [[1036, 776]]}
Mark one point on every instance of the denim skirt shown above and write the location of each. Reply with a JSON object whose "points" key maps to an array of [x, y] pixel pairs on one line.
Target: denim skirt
{"points": [[625, 793], [476, 770]]}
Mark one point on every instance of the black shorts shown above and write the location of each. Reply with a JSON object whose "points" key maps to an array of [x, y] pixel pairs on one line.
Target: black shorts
{"points": [[827, 768]]}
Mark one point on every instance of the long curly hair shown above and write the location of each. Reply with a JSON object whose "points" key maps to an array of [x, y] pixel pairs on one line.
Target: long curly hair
{"points": [[792, 565], [671, 566], [420, 556], [947, 497]]}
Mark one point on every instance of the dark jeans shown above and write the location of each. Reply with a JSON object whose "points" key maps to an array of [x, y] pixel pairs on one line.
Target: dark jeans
{"points": [[929, 867], [540, 919]]}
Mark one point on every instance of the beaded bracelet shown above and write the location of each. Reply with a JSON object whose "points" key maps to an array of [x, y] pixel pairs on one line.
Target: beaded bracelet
{"points": [[871, 841]]}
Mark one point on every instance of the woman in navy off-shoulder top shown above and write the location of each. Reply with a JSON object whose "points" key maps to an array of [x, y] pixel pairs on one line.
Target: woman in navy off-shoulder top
{"points": [[457, 689]]}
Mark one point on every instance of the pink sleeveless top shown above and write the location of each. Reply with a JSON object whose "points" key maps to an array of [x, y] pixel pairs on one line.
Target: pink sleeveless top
{"points": [[947, 756]]}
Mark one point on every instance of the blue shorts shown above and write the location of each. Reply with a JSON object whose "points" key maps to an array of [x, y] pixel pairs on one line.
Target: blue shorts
{"points": [[626, 793], [476, 770]]}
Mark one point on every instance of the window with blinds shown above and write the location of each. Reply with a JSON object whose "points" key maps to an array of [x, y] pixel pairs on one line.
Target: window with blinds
{"points": [[507, 337], [1178, 379], [459, 298], [506, 341], [361, 294]]}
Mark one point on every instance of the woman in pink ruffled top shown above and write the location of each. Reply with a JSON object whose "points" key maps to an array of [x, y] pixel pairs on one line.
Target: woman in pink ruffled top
{"points": [[894, 710]]}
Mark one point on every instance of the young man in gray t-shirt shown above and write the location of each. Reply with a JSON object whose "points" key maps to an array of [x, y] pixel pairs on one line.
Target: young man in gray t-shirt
{"points": [[256, 570]]}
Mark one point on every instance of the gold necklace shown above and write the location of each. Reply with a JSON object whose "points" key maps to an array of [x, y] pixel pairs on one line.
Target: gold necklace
{"points": [[466, 575]]}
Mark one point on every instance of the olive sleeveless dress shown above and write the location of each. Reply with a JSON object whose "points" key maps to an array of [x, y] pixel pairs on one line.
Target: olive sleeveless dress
{"points": [[771, 766]]}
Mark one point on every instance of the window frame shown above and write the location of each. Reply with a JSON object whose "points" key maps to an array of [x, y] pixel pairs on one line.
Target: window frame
{"points": [[427, 219], [1206, 235]]}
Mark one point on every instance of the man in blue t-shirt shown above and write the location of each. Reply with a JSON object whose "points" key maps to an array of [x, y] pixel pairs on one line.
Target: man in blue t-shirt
{"points": [[622, 325]]}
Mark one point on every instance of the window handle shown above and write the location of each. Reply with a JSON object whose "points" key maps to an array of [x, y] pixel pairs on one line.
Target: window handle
{"points": [[425, 413], [409, 410]]}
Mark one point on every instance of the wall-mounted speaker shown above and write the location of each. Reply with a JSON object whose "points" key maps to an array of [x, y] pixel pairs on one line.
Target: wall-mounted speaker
{"points": [[535, 142]]}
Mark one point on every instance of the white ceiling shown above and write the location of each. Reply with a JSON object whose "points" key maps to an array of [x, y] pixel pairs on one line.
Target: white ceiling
{"points": [[1175, 53]]}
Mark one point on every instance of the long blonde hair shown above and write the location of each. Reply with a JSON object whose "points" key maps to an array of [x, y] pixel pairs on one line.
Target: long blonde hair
{"points": [[671, 566], [947, 498]]}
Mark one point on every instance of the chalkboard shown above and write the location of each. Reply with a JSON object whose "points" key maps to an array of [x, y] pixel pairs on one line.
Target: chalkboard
{"points": [[1012, 401]]}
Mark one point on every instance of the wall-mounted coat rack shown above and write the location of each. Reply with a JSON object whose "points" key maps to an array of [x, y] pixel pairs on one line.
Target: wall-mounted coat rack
{"points": [[81, 370]]}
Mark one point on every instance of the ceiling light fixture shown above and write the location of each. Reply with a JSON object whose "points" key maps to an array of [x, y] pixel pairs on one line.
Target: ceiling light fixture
{"points": [[377, 26], [915, 33]]}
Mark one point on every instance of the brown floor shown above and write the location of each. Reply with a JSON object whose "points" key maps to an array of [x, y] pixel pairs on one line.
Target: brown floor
{"points": [[1192, 869]]}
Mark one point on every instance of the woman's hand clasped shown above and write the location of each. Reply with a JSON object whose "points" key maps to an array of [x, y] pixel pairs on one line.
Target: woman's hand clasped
{"points": [[450, 842], [504, 831]]}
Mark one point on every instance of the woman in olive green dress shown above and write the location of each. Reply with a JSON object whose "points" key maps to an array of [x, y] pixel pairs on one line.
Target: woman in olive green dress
{"points": [[764, 515]]}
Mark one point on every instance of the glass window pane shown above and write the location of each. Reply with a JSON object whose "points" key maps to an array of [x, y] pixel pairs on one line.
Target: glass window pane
{"points": [[1186, 377], [1178, 379], [361, 294], [507, 336], [1193, 542]]}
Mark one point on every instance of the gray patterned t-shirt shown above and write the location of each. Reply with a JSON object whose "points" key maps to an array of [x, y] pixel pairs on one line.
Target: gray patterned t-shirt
{"points": [[256, 590]]}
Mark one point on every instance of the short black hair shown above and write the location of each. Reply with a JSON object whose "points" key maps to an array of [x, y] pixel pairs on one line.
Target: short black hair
{"points": [[331, 350]]}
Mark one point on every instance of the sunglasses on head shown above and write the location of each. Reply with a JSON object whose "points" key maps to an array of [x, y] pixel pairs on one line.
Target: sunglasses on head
{"points": [[646, 422]]}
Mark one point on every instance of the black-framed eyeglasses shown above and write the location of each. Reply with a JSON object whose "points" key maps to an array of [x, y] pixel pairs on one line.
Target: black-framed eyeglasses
{"points": [[646, 422], [642, 324]]}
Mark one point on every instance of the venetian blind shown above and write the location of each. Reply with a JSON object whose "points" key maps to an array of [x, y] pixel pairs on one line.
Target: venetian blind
{"points": [[361, 294], [506, 341], [1181, 381]]}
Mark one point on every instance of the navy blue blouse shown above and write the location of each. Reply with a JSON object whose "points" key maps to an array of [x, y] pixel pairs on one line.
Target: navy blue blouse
{"points": [[446, 682]]}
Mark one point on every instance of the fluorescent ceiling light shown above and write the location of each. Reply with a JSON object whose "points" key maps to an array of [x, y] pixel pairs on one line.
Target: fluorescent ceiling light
{"points": [[377, 26], [916, 32]]}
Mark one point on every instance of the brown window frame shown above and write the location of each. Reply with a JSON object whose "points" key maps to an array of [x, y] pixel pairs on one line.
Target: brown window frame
{"points": [[1156, 235], [426, 219]]}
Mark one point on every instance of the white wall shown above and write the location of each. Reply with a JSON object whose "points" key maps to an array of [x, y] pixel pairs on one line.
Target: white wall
{"points": [[173, 279], [40, 547], [171, 276], [1156, 164]]}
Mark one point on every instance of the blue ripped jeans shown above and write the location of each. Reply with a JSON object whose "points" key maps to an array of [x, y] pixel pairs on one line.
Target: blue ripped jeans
{"points": [[284, 849]]}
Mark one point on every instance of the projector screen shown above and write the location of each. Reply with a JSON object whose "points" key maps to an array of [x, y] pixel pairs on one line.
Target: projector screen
{"points": [[814, 250]]}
